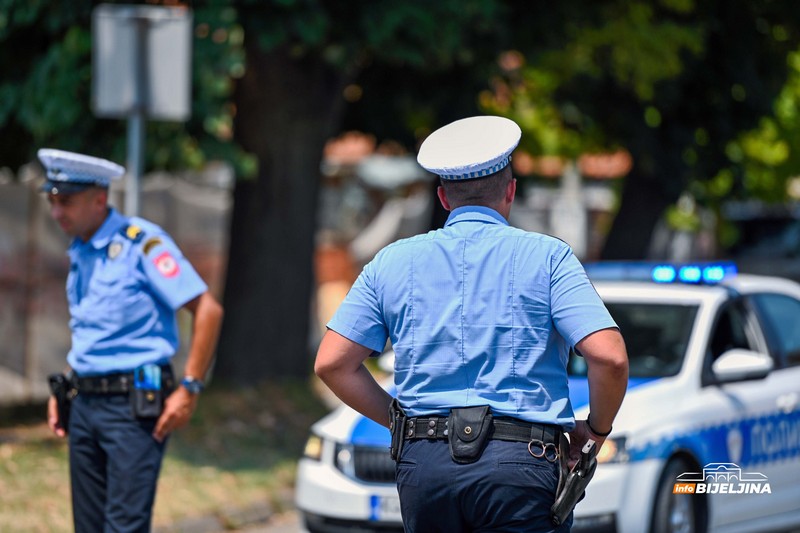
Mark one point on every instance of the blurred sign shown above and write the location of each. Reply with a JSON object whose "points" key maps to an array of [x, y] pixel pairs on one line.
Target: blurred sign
{"points": [[390, 172], [141, 61]]}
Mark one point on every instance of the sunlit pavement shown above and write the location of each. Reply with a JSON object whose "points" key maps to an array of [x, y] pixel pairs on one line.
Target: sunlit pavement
{"points": [[288, 522]]}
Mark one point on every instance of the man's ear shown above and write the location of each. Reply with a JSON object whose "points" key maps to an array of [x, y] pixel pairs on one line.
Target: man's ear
{"points": [[102, 195], [443, 198], [511, 190]]}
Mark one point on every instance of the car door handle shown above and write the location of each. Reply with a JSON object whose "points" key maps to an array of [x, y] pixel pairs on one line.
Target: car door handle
{"points": [[787, 403]]}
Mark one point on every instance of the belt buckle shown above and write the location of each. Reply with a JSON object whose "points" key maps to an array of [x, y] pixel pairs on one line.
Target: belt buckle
{"points": [[549, 451]]}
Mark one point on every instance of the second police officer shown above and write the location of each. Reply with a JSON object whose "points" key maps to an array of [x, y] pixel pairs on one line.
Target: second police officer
{"points": [[126, 282]]}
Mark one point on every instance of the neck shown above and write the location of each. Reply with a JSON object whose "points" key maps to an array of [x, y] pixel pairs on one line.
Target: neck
{"points": [[92, 229]]}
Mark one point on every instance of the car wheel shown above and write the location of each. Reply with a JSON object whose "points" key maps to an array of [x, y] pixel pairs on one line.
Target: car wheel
{"points": [[677, 513]]}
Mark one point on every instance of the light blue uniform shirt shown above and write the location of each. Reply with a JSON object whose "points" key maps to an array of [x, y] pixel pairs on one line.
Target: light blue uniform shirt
{"points": [[123, 293], [478, 313]]}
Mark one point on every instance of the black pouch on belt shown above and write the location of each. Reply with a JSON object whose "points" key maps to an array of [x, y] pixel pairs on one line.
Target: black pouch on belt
{"points": [[147, 399], [469, 429]]}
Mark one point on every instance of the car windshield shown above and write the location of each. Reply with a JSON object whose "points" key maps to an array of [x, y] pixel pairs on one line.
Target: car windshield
{"points": [[655, 336]]}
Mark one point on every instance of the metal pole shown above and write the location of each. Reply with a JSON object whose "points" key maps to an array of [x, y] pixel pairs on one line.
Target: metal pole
{"points": [[136, 120], [133, 187]]}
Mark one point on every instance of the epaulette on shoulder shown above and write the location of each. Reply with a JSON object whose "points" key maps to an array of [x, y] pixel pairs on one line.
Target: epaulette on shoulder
{"points": [[133, 233]]}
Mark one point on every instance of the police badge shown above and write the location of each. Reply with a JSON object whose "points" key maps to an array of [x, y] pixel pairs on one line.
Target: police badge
{"points": [[114, 249]]}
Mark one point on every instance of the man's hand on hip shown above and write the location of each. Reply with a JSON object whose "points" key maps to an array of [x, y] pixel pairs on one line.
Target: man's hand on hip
{"points": [[578, 437], [178, 409]]}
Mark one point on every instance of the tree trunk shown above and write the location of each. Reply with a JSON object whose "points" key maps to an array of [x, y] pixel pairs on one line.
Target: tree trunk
{"points": [[642, 204], [286, 109]]}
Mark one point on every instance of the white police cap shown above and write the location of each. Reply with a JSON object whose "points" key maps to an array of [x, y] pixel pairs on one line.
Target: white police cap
{"points": [[69, 172], [470, 148]]}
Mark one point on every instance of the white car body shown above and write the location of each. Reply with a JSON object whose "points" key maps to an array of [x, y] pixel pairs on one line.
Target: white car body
{"points": [[335, 499], [670, 429]]}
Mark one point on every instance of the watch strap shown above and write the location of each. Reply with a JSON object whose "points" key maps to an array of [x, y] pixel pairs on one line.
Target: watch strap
{"points": [[192, 384]]}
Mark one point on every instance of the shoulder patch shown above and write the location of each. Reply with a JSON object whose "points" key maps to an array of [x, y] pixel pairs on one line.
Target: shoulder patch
{"points": [[133, 233], [150, 243], [167, 265]]}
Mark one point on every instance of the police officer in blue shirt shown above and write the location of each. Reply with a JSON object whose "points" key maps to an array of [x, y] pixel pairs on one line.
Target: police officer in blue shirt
{"points": [[126, 282], [481, 317]]}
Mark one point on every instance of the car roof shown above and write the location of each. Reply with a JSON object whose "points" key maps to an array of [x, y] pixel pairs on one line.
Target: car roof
{"points": [[689, 293], [750, 283]]}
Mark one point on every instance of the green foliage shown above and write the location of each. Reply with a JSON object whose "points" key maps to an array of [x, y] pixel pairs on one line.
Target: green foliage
{"points": [[527, 95], [416, 33], [710, 91], [64, 66], [587, 76], [633, 46], [768, 155], [46, 96], [639, 46]]}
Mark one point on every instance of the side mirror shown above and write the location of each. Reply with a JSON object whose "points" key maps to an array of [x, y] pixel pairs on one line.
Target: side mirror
{"points": [[741, 365]]}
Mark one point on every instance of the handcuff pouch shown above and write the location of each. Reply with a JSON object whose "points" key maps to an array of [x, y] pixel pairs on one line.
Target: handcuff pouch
{"points": [[469, 429]]}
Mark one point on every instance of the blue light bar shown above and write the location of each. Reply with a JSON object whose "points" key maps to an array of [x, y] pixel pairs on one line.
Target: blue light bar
{"points": [[663, 273], [715, 273], [689, 273]]}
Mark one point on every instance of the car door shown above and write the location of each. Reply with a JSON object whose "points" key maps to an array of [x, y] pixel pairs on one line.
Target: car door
{"points": [[735, 435], [775, 437]]}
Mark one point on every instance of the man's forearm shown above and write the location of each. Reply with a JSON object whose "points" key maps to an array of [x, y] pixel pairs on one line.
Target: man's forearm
{"points": [[205, 333], [360, 391], [607, 386], [340, 365], [607, 361]]}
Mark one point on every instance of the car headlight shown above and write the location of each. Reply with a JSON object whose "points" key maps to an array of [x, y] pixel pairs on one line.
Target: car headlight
{"points": [[613, 451], [313, 449], [344, 460]]}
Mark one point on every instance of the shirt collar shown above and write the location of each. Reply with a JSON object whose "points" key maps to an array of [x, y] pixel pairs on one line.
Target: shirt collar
{"points": [[475, 213], [112, 224]]}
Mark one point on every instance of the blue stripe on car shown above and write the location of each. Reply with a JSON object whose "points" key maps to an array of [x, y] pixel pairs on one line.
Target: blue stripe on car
{"points": [[369, 433], [750, 442], [579, 389]]}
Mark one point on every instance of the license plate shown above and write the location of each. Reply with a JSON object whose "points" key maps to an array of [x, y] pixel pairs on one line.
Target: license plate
{"points": [[384, 508]]}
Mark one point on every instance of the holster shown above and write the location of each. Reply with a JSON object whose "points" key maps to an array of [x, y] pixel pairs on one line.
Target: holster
{"points": [[573, 488], [469, 429], [563, 462], [397, 424], [63, 391]]}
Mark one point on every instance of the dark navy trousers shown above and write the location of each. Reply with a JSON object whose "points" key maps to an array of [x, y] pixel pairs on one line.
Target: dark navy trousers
{"points": [[507, 489], [114, 465]]}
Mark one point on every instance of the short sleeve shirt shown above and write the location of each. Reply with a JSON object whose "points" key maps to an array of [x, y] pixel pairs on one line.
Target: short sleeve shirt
{"points": [[478, 313], [124, 287]]}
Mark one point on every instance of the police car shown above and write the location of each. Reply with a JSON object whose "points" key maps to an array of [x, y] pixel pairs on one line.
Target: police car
{"points": [[707, 439]]}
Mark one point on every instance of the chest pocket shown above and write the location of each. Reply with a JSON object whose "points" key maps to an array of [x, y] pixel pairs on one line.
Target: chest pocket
{"points": [[114, 290]]}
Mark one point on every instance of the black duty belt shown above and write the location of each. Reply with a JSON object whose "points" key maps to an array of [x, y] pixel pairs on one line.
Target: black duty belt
{"points": [[121, 383], [435, 427]]}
